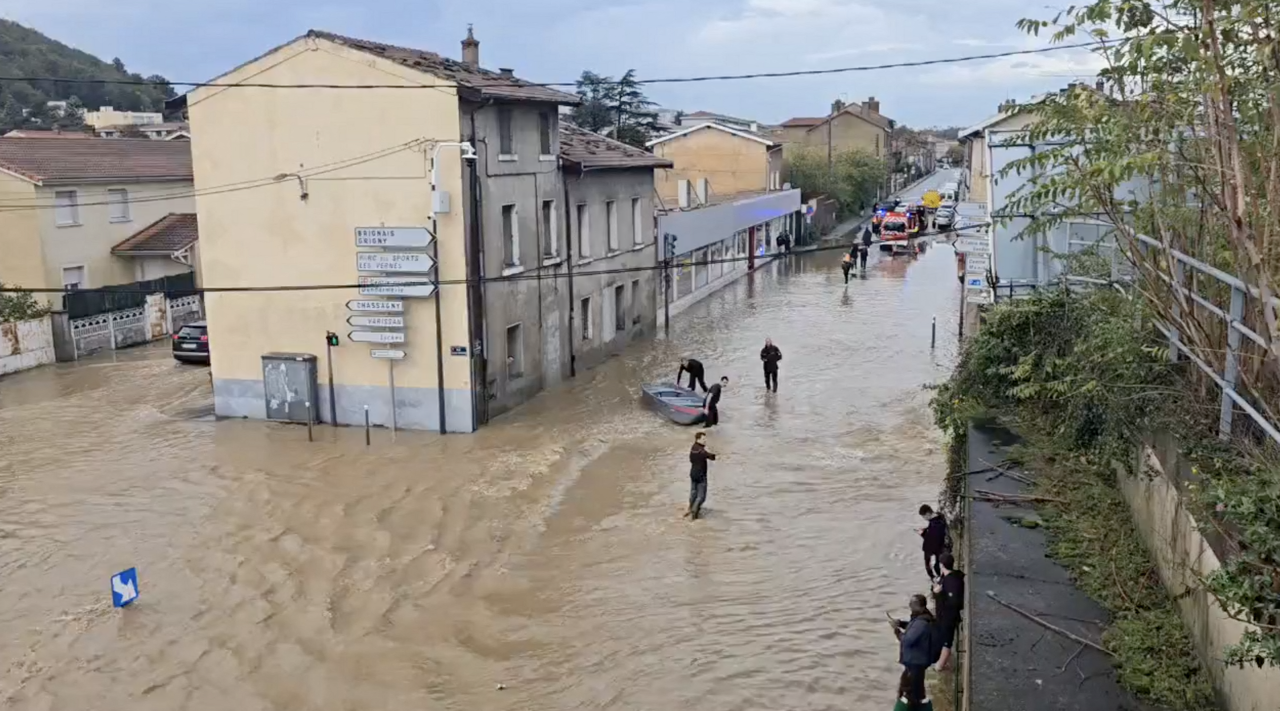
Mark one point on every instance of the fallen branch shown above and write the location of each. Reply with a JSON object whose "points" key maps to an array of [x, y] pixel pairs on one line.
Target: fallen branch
{"points": [[1001, 471], [1050, 627], [983, 494], [1070, 658]]}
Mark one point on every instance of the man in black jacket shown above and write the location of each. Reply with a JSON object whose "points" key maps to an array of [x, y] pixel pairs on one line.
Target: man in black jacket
{"points": [[934, 540], [949, 600], [709, 409], [696, 374], [698, 458], [770, 355]]}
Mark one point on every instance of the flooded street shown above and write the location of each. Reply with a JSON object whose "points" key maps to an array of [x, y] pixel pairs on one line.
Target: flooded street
{"points": [[545, 553]]}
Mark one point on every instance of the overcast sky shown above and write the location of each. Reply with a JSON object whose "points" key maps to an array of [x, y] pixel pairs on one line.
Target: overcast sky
{"points": [[554, 40]]}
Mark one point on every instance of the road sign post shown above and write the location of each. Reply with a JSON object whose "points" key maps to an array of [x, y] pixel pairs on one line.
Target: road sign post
{"points": [[403, 286], [386, 337], [376, 306], [376, 321], [124, 587], [393, 237]]}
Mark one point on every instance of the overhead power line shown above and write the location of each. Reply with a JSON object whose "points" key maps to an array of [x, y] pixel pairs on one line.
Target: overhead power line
{"points": [[514, 84], [304, 174], [536, 274]]}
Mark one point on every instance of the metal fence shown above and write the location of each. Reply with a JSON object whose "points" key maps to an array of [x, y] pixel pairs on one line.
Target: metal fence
{"points": [[1183, 268], [126, 296]]}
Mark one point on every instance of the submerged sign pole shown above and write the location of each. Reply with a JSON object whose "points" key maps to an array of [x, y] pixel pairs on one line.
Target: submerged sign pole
{"points": [[391, 381]]}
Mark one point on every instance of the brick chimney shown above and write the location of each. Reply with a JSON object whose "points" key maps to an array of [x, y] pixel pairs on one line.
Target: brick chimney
{"points": [[1008, 106], [872, 105], [471, 50]]}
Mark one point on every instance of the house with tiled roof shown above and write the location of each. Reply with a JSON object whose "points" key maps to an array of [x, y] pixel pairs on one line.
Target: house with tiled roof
{"points": [[65, 204], [516, 203], [847, 127]]}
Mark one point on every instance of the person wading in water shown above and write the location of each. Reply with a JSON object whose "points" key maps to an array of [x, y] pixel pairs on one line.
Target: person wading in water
{"points": [[698, 458], [709, 409], [770, 355], [846, 263]]}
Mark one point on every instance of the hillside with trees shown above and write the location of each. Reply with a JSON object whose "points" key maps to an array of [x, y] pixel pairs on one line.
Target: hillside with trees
{"points": [[24, 52]]}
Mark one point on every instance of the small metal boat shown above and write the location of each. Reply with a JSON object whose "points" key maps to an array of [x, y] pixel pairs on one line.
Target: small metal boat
{"points": [[680, 405]]}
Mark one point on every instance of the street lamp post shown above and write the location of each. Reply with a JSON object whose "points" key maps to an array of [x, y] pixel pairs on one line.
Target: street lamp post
{"points": [[468, 153]]}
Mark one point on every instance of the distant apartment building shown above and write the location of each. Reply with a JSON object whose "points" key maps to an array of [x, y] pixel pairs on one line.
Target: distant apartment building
{"points": [[542, 232], [697, 118], [107, 116], [853, 126], [69, 204], [171, 131]]}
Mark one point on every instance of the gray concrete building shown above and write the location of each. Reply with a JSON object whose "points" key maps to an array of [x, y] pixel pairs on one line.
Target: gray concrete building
{"points": [[556, 206]]}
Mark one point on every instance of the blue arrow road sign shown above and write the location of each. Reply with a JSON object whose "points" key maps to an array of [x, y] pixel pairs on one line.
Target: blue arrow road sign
{"points": [[124, 587]]}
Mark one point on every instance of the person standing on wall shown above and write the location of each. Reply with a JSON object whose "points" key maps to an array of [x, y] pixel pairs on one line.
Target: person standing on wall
{"points": [[698, 458], [709, 405], [770, 355], [933, 540], [948, 596], [696, 374]]}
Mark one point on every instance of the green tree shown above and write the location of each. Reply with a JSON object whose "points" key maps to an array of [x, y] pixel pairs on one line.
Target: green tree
{"points": [[72, 117], [19, 306], [618, 107], [955, 155], [851, 178], [593, 113], [1182, 144]]}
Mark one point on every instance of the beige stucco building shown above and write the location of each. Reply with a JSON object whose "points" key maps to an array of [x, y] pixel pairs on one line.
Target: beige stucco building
{"points": [[67, 204], [974, 142], [533, 213], [732, 162]]}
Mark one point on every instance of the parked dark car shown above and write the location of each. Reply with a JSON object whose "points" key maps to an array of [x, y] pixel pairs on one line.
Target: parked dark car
{"points": [[191, 343]]}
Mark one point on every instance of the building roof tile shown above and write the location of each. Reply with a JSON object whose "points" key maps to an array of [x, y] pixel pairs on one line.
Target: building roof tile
{"points": [[591, 150], [801, 122], [96, 160], [171, 233], [488, 84]]}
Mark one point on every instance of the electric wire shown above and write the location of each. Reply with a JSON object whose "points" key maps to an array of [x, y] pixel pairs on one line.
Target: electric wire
{"points": [[488, 84], [237, 186], [534, 274]]}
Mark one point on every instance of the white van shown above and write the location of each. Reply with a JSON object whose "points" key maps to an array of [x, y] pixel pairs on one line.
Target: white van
{"points": [[949, 192]]}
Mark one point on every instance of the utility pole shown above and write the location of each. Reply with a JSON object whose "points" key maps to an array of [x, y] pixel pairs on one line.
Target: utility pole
{"points": [[669, 252]]}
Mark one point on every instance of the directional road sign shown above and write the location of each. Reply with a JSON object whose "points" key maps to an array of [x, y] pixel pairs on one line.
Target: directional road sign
{"points": [[401, 262], [970, 245], [376, 321], [403, 237], [386, 354], [384, 307], [411, 287], [376, 336], [124, 587]]}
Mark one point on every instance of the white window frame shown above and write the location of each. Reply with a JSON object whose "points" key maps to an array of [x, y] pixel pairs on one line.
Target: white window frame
{"points": [[84, 275], [638, 237], [118, 198], [551, 243], [73, 206], [519, 356], [587, 327], [611, 224], [583, 218], [514, 243]]}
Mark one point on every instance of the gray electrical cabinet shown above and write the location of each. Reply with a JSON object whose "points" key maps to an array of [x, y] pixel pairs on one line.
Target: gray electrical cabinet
{"points": [[289, 384]]}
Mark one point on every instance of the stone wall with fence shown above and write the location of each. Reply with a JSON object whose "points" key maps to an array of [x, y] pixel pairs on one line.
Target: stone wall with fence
{"points": [[25, 344], [158, 317]]}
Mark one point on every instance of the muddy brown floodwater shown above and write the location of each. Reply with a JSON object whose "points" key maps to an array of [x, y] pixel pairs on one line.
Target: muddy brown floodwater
{"points": [[545, 553]]}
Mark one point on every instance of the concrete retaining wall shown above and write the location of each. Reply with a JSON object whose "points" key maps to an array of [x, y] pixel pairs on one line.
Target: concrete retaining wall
{"points": [[1182, 554], [25, 344]]}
